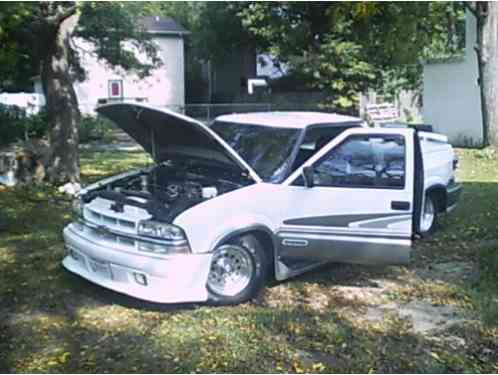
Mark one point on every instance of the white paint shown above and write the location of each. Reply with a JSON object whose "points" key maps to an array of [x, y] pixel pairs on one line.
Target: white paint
{"points": [[182, 278], [179, 278], [165, 87], [287, 119], [255, 82], [451, 94], [191, 122]]}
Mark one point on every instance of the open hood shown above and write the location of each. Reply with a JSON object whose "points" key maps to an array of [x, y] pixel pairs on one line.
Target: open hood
{"points": [[162, 132]]}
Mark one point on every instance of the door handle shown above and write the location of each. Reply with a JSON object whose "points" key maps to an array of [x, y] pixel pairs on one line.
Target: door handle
{"points": [[400, 205]]}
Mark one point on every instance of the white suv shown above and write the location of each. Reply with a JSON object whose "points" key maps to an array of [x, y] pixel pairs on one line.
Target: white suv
{"points": [[255, 196]]}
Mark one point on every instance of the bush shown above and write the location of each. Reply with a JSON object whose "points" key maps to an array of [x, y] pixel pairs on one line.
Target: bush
{"points": [[16, 125], [94, 128]]}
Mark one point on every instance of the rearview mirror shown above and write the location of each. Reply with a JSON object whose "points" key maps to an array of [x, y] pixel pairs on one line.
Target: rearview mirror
{"points": [[308, 174]]}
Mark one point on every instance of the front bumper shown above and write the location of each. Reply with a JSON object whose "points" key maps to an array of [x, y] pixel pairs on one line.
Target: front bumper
{"points": [[173, 279]]}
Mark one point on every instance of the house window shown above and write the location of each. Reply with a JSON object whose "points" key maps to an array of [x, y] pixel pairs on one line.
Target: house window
{"points": [[116, 88]]}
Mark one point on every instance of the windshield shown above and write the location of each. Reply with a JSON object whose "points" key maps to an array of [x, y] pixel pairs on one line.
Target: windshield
{"points": [[267, 150]]}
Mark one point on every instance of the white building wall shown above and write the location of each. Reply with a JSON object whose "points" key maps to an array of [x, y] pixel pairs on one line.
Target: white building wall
{"points": [[165, 87], [452, 101]]}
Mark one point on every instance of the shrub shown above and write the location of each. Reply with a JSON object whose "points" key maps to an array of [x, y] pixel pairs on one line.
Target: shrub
{"points": [[11, 118], [94, 128], [16, 125]]}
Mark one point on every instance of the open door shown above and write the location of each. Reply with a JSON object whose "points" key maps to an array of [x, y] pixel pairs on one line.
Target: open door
{"points": [[355, 204]]}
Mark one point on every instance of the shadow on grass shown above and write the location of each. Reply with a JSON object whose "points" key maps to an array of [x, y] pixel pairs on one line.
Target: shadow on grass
{"points": [[42, 314]]}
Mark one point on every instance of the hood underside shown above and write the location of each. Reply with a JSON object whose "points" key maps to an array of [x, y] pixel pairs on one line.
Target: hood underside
{"points": [[163, 133]]}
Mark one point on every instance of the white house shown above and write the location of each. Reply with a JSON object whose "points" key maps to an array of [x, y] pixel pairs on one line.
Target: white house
{"points": [[165, 87], [452, 102]]}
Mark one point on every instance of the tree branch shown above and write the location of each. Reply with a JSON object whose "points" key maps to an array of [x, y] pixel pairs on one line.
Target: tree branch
{"points": [[64, 14], [472, 7], [60, 15]]}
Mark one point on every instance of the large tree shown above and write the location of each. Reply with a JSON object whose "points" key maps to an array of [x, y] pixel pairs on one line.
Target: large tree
{"points": [[42, 35], [344, 48], [486, 13]]}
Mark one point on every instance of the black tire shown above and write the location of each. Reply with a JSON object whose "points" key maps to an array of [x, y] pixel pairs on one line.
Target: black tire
{"points": [[260, 262], [428, 230]]}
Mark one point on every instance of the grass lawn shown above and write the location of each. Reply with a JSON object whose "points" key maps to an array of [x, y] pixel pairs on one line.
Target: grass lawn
{"points": [[340, 318]]}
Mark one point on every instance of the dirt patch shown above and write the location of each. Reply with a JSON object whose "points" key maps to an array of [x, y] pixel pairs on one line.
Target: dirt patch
{"points": [[455, 271], [424, 317]]}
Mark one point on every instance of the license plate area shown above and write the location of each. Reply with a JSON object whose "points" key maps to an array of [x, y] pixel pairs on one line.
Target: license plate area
{"points": [[100, 268]]}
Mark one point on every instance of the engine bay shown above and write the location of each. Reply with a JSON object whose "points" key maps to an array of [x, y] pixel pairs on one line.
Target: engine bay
{"points": [[168, 189]]}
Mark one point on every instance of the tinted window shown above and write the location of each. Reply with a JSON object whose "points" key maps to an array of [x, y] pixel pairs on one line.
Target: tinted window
{"points": [[372, 161], [321, 135], [315, 138], [267, 150]]}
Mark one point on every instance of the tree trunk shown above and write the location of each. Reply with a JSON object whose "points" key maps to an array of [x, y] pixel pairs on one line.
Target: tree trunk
{"points": [[62, 105], [487, 54]]}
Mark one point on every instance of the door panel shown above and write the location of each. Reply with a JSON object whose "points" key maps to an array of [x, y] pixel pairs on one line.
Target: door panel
{"points": [[363, 212], [344, 248]]}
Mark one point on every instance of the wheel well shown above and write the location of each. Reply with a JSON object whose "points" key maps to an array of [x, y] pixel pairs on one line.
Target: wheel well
{"points": [[439, 195], [266, 241]]}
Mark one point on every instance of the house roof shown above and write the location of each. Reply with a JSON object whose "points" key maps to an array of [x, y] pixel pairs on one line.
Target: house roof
{"points": [[288, 119], [163, 25]]}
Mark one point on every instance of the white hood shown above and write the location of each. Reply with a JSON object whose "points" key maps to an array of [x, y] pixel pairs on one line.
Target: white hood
{"points": [[162, 132]]}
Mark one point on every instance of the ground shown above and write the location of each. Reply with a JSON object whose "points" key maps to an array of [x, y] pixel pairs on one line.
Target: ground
{"points": [[437, 314]]}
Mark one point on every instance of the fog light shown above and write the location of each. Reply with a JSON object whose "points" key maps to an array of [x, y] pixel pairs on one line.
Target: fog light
{"points": [[140, 278], [74, 254]]}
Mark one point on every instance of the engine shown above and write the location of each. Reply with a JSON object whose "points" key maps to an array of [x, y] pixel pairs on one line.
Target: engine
{"points": [[167, 190]]}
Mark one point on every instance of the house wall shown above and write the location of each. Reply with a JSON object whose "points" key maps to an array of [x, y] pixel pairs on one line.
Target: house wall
{"points": [[165, 87], [451, 94]]}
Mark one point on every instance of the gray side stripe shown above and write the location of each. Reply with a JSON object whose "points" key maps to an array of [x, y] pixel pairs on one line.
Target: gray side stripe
{"points": [[285, 234], [337, 220], [383, 223]]}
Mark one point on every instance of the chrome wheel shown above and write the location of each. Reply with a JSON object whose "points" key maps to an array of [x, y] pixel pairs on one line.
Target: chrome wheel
{"points": [[231, 270], [428, 215]]}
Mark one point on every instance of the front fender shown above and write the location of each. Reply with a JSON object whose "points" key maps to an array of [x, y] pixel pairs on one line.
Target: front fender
{"points": [[205, 235], [208, 223], [434, 181], [239, 225]]}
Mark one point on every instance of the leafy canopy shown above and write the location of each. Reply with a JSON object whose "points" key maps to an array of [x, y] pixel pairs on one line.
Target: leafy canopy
{"points": [[28, 29], [344, 48]]}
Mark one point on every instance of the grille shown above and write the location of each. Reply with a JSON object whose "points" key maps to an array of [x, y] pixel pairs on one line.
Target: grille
{"points": [[109, 221], [110, 238]]}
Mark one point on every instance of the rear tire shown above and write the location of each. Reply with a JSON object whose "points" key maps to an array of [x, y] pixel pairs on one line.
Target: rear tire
{"points": [[239, 270], [429, 216]]}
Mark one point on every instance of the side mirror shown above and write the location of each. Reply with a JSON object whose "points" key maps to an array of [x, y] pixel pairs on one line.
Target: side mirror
{"points": [[308, 174]]}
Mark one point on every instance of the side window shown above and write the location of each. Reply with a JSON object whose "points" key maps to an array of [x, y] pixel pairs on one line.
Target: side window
{"points": [[374, 161]]}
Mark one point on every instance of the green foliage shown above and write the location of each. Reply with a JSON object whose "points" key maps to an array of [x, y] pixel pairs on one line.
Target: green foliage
{"points": [[16, 125], [95, 128], [215, 27], [108, 25], [16, 66], [27, 30], [343, 48]]}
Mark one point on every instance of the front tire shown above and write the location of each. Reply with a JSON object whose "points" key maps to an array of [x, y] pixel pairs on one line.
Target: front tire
{"points": [[428, 219], [239, 270]]}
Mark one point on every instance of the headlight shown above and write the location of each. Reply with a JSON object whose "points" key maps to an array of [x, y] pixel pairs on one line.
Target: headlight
{"points": [[163, 249], [156, 229]]}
